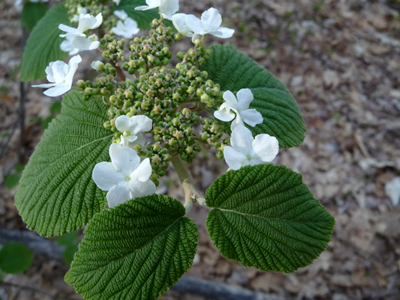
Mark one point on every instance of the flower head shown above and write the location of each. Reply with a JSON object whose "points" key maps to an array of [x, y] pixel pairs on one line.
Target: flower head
{"points": [[247, 150], [132, 128], [76, 39], [240, 107], [127, 29], [167, 7], [179, 21], [210, 23], [60, 75], [125, 177]]}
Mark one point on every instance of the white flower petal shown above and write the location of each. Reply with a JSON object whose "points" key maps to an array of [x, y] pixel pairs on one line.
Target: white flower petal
{"points": [[124, 159], [118, 194], [224, 114], [122, 123], [45, 85], [143, 171], [194, 24], [242, 140], [121, 14], [244, 98], [233, 158], [141, 189], [223, 32], [251, 117], [57, 90], [266, 147], [230, 99], [117, 2], [211, 19], [179, 21], [168, 8], [67, 29], [105, 176], [140, 124], [60, 70], [73, 66]]}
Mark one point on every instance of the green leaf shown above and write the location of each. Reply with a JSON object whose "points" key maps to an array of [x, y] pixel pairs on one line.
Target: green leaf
{"points": [[67, 239], [11, 181], [136, 250], [43, 45], [142, 17], [15, 258], [32, 13], [56, 193], [234, 71], [69, 253], [265, 217], [55, 107]]}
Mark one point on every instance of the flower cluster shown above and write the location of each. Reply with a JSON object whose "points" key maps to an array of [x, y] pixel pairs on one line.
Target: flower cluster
{"points": [[156, 113]]}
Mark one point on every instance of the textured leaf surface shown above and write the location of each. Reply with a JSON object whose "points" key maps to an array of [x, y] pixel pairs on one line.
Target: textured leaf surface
{"points": [[143, 18], [43, 45], [15, 258], [234, 71], [136, 250], [264, 216], [32, 13], [56, 192]]}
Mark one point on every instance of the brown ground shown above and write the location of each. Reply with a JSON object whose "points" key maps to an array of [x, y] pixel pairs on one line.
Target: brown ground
{"points": [[341, 61]]}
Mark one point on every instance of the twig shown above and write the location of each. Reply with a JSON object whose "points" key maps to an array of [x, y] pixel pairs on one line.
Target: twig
{"points": [[194, 286], [191, 192]]}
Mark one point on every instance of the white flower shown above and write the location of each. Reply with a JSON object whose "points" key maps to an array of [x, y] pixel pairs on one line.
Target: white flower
{"points": [[121, 14], [132, 128], [127, 29], [246, 150], [97, 65], [240, 106], [77, 39], [117, 2], [179, 21], [61, 75], [86, 22], [167, 7], [82, 11], [67, 46], [210, 23], [125, 177]]}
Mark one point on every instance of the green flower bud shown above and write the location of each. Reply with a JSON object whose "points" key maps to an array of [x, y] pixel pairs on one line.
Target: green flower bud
{"points": [[81, 84], [220, 155], [190, 90], [204, 98]]}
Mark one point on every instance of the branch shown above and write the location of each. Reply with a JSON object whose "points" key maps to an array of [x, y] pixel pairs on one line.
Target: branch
{"points": [[191, 192], [209, 289]]}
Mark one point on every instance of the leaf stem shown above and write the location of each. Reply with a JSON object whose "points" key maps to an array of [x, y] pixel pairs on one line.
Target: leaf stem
{"points": [[192, 194]]}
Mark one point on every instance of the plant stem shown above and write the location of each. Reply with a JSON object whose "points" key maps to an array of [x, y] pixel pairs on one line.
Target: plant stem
{"points": [[191, 192]]}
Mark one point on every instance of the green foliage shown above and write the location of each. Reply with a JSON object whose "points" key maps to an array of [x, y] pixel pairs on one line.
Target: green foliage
{"points": [[56, 192], [11, 180], [67, 239], [32, 13], [143, 18], [136, 250], [43, 45], [68, 255], [234, 71], [264, 216], [15, 258], [55, 107]]}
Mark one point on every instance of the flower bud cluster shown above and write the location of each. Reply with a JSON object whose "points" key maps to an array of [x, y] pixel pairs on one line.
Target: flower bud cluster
{"points": [[103, 86], [212, 134], [159, 158], [150, 51], [112, 48]]}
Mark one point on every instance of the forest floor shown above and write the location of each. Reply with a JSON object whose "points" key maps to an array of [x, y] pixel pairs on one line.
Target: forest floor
{"points": [[341, 61]]}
